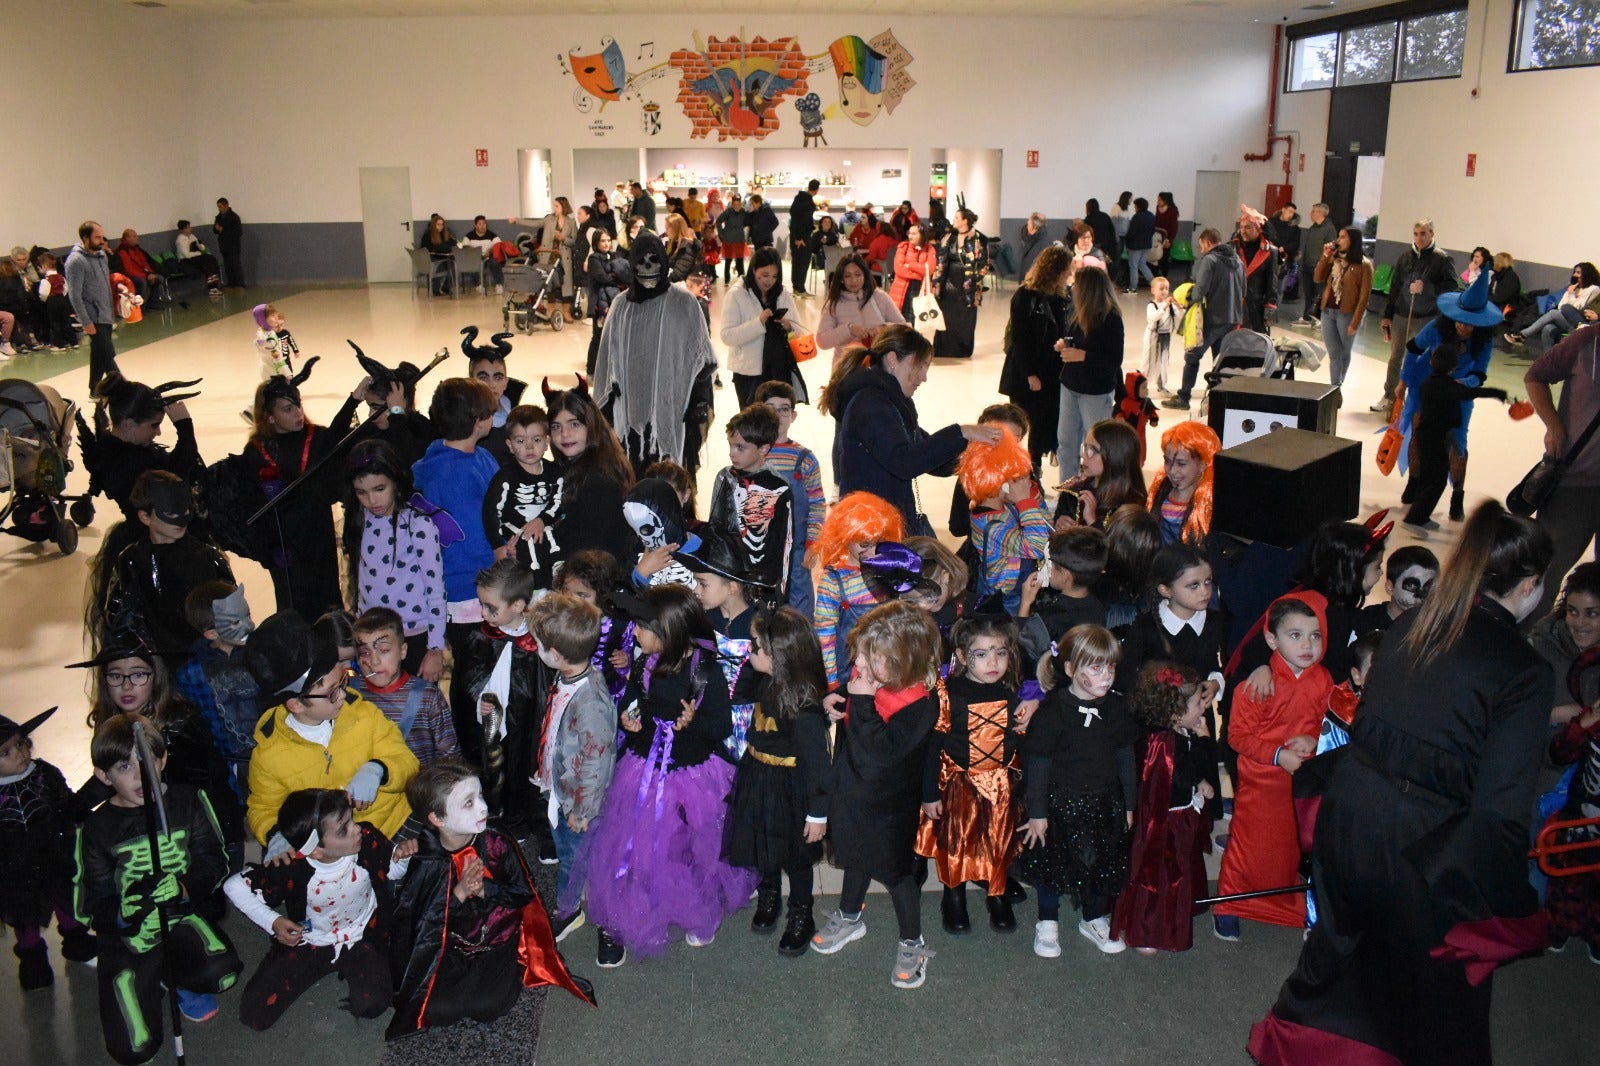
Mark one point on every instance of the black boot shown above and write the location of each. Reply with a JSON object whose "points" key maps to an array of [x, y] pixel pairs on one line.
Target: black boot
{"points": [[1001, 918], [954, 911], [1458, 505], [78, 945], [798, 932], [769, 897], [33, 968]]}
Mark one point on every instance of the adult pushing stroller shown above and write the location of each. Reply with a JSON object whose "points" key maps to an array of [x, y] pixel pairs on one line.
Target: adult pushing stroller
{"points": [[36, 426]]}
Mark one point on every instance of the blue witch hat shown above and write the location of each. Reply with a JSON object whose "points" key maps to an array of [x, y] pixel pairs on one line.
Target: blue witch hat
{"points": [[1472, 306]]}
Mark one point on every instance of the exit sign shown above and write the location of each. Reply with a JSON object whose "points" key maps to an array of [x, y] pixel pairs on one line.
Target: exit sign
{"points": [[1033, 157], [1472, 164], [481, 157]]}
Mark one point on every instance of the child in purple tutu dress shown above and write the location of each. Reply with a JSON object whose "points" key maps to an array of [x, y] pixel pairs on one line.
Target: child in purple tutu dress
{"points": [[652, 861]]}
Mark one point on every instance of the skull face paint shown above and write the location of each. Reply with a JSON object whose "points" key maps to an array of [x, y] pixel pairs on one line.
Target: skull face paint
{"points": [[1412, 587]]}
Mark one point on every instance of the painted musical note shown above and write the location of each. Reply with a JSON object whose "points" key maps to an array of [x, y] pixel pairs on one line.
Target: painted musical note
{"points": [[647, 50]]}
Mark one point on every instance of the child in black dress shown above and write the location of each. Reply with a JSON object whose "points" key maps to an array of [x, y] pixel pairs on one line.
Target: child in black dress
{"points": [[878, 778], [1079, 789], [779, 806]]}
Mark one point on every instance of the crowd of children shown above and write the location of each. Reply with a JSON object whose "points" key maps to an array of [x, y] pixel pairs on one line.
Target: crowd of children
{"points": [[680, 715]]}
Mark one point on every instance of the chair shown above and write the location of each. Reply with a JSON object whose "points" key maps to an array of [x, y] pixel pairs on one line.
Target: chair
{"points": [[421, 268], [832, 255], [1382, 278], [467, 262], [885, 275], [1000, 261]]}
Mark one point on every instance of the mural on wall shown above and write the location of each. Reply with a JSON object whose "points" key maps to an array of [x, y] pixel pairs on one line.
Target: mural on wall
{"points": [[732, 87]]}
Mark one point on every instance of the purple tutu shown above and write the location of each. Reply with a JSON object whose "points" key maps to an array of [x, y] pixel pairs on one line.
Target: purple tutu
{"points": [[653, 861]]}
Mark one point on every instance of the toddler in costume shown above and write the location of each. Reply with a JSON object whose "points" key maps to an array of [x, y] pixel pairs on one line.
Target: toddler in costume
{"points": [[851, 533], [469, 931], [274, 342], [1010, 526], [36, 836]]}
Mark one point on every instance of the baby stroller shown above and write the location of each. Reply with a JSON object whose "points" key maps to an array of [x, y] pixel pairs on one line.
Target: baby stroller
{"points": [[528, 300], [35, 435], [1246, 353]]}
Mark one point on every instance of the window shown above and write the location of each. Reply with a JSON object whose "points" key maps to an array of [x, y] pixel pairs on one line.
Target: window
{"points": [[1431, 46], [1366, 55], [1556, 33], [1312, 61]]}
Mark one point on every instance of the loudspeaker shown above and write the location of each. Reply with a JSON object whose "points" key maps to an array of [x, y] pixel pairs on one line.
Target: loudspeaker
{"points": [[1244, 408], [1279, 488]]}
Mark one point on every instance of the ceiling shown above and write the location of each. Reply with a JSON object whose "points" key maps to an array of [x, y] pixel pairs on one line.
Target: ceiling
{"points": [[1173, 10]]}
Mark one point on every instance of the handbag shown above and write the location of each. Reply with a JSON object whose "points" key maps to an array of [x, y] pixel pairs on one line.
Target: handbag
{"points": [[925, 313], [1539, 484], [1388, 454]]}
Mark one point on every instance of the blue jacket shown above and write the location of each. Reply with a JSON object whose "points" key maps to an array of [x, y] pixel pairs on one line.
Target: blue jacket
{"points": [[457, 482], [1141, 231], [878, 446]]}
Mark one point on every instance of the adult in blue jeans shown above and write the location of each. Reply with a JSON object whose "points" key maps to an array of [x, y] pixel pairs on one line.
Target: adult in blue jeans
{"points": [[1091, 364], [1219, 290], [1141, 234]]}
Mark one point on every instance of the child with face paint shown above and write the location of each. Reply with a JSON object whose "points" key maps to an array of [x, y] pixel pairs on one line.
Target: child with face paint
{"points": [[335, 895], [469, 930], [1181, 495], [851, 533], [1408, 577], [1079, 789]]}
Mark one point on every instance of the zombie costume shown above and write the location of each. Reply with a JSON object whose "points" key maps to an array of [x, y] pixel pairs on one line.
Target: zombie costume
{"points": [[457, 960], [655, 363], [972, 768], [514, 498], [576, 758], [118, 893], [343, 908], [756, 511], [1171, 837]]}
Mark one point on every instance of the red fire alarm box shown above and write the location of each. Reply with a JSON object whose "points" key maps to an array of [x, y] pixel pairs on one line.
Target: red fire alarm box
{"points": [[481, 157], [1033, 157]]}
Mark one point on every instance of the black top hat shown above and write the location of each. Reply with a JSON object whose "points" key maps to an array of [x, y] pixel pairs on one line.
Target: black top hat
{"points": [[716, 555], [286, 656], [9, 729]]}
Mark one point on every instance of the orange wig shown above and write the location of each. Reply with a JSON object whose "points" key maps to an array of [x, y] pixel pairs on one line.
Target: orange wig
{"points": [[859, 517], [985, 468], [1199, 440]]}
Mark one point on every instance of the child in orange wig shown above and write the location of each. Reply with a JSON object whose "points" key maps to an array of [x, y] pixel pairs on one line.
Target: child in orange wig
{"points": [[1181, 495], [852, 531], [1010, 527]]}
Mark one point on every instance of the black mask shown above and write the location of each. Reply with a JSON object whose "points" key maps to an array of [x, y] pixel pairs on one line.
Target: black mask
{"points": [[647, 257]]}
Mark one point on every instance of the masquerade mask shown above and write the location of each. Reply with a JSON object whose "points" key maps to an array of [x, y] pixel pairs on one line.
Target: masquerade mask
{"points": [[231, 617]]}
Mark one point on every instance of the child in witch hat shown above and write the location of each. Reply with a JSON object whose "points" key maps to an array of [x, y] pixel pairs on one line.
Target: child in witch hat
{"points": [[36, 834]]}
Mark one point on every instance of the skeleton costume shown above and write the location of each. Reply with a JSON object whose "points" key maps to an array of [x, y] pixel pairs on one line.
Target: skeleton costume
{"points": [[756, 510], [514, 499], [655, 364], [653, 511]]}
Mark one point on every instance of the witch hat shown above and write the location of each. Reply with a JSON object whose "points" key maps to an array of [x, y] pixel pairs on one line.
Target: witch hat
{"points": [[1472, 307], [894, 570], [9, 729]]}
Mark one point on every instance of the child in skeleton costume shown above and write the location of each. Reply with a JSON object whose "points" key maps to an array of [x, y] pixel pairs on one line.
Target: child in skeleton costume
{"points": [[753, 504], [655, 514], [336, 901], [732, 599], [525, 497], [36, 832], [119, 892], [274, 342], [655, 363], [469, 931]]}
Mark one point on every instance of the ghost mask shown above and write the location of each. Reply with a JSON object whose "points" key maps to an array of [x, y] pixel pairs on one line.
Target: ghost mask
{"points": [[654, 513], [465, 812], [648, 259], [1412, 587]]}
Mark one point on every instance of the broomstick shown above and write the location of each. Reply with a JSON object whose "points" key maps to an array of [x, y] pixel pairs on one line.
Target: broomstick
{"points": [[156, 826], [305, 475]]}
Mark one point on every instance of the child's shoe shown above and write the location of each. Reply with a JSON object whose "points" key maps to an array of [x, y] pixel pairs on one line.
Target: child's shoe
{"points": [[1594, 954], [1002, 919], [768, 899], [77, 945], [1098, 933], [911, 964], [838, 931], [33, 967], [953, 911], [1047, 939], [801, 927], [611, 953], [1226, 927], [547, 852], [698, 942], [564, 927], [196, 1006]]}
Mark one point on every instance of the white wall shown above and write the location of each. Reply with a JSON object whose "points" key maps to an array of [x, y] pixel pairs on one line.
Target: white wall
{"points": [[101, 122]]}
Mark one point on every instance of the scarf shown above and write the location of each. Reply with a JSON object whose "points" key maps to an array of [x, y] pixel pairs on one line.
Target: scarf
{"points": [[1335, 279]]}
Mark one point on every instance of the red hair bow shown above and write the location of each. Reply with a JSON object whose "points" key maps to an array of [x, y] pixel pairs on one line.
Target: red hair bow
{"points": [[1168, 676]]}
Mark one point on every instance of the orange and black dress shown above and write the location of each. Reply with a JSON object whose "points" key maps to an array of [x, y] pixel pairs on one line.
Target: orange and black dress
{"points": [[972, 769]]}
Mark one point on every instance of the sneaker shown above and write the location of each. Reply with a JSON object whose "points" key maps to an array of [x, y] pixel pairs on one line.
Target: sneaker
{"points": [[547, 852], [610, 953], [1098, 933], [837, 931], [910, 964], [1382, 406], [1594, 954], [196, 1006], [1177, 403], [6, 349], [1047, 939], [499, 290], [562, 927], [1558, 944], [1226, 927], [697, 942], [1302, 321], [1420, 528]]}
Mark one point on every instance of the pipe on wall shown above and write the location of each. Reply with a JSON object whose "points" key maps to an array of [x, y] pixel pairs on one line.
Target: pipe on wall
{"points": [[1273, 136]]}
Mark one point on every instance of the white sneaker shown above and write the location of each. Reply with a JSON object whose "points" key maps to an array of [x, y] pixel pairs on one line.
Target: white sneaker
{"points": [[6, 349], [1047, 939], [499, 290], [1098, 932], [695, 942]]}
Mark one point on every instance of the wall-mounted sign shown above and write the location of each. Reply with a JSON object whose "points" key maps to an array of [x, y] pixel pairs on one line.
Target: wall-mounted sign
{"points": [[892, 173], [481, 157], [1033, 157], [1472, 164]]}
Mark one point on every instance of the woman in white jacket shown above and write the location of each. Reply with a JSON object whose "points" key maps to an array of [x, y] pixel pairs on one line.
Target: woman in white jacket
{"points": [[756, 320], [855, 308]]}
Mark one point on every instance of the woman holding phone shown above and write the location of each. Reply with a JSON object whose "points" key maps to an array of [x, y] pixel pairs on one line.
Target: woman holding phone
{"points": [[1091, 364]]}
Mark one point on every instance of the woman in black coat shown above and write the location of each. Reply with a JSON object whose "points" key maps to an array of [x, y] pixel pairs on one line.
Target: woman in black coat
{"points": [[878, 447], [1039, 312], [1420, 861], [1090, 364]]}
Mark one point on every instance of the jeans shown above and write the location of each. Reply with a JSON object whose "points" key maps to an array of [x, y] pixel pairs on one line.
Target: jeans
{"points": [[1336, 336], [1210, 341], [1138, 263], [102, 354], [567, 840], [1549, 328], [1398, 335], [1079, 413]]}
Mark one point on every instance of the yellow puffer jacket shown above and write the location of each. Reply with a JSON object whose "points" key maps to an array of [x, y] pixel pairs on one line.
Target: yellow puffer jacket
{"points": [[286, 762]]}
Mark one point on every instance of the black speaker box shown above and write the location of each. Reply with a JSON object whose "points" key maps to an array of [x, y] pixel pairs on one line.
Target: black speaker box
{"points": [[1244, 408], [1279, 488]]}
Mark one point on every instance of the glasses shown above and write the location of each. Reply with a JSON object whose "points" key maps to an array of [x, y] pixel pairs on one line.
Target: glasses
{"points": [[333, 695], [137, 677]]}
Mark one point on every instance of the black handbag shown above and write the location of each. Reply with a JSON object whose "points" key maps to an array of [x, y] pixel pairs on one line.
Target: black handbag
{"points": [[1539, 484]]}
